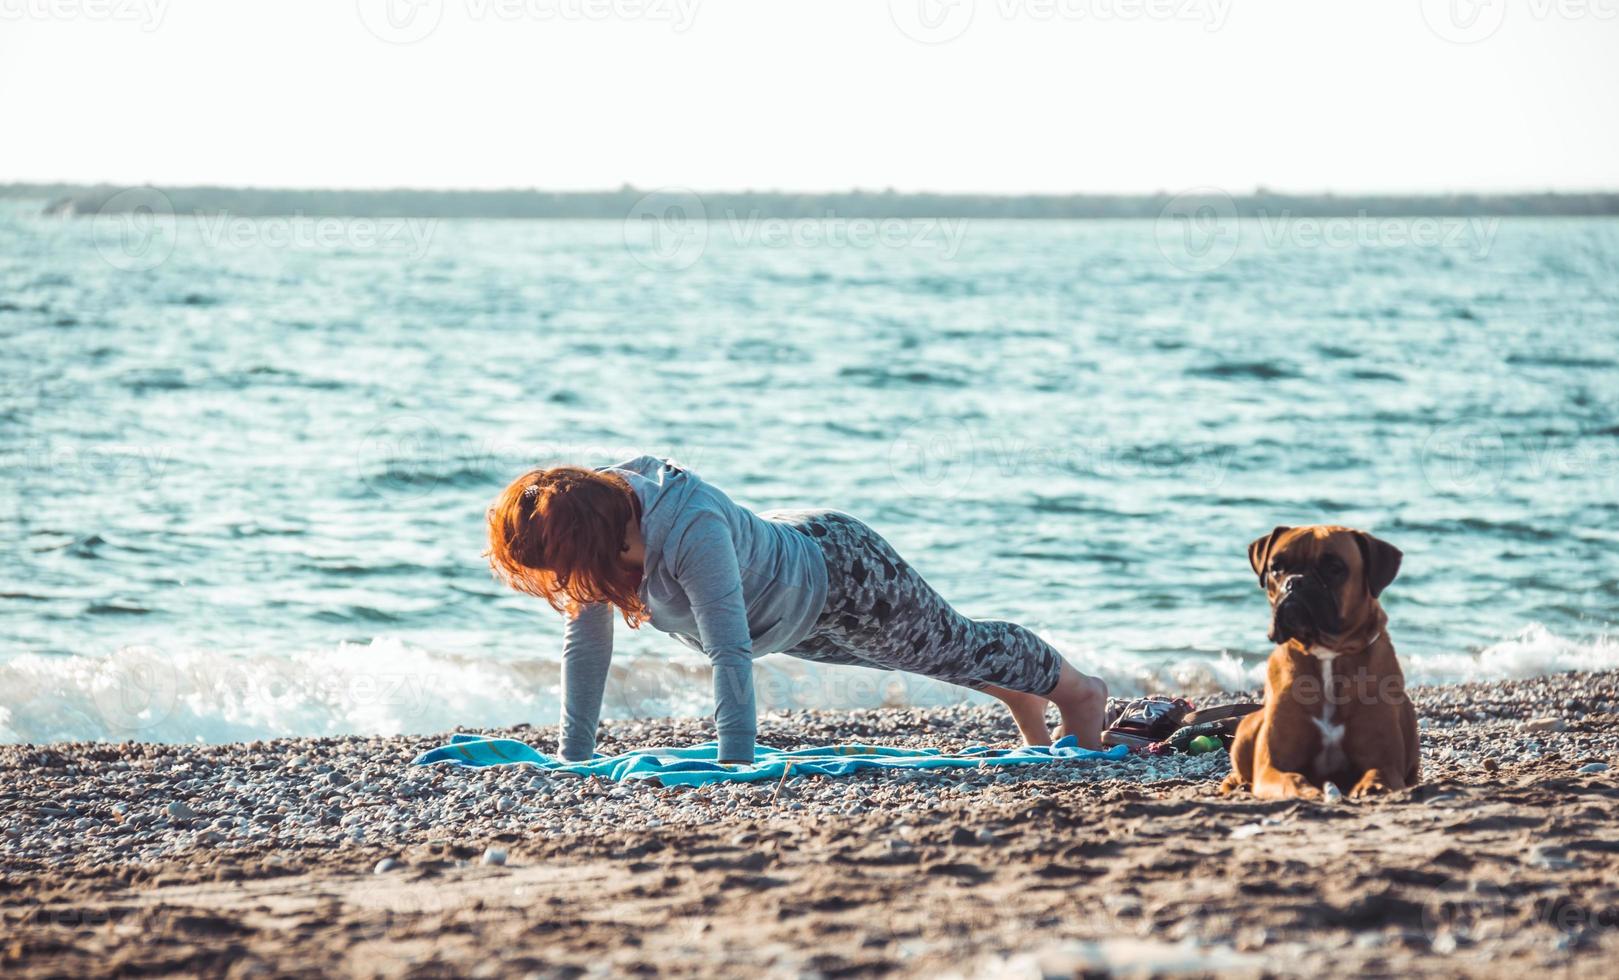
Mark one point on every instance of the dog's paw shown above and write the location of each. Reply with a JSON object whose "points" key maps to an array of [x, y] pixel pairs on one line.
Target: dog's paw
{"points": [[1285, 786], [1370, 784]]}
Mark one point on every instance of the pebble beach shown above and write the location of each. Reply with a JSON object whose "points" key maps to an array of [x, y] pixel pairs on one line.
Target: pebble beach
{"points": [[322, 856]]}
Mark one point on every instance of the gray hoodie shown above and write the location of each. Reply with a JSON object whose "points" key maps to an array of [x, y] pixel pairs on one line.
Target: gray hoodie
{"points": [[720, 579]]}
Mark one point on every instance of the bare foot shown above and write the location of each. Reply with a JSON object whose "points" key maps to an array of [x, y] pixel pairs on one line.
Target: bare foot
{"points": [[1028, 710], [1082, 701]]}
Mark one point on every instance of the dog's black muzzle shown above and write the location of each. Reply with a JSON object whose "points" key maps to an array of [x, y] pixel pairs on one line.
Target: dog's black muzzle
{"points": [[1306, 611]]}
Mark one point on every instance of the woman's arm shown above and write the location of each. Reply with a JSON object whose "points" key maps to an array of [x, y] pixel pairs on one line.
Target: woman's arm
{"points": [[587, 652], [705, 567]]}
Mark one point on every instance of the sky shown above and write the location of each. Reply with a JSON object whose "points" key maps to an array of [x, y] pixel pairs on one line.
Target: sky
{"points": [[1000, 96]]}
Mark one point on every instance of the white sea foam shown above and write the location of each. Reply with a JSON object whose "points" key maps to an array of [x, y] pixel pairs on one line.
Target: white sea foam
{"points": [[385, 687], [1533, 652], [1193, 674], [382, 688], [388, 687]]}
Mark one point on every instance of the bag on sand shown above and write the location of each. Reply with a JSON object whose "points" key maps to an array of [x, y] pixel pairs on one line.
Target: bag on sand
{"points": [[1146, 720], [1219, 722]]}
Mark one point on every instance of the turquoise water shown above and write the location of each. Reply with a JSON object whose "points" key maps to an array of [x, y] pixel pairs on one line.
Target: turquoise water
{"points": [[243, 471]]}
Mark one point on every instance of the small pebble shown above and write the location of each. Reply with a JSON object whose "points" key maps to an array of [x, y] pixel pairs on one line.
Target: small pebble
{"points": [[384, 866], [1553, 858], [1547, 724], [1594, 767], [493, 856]]}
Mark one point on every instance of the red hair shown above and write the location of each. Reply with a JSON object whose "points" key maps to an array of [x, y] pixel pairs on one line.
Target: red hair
{"points": [[557, 533]]}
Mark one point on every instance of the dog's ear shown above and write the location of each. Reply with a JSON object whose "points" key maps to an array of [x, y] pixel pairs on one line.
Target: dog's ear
{"points": [[1379, 562], [1259, 551]]}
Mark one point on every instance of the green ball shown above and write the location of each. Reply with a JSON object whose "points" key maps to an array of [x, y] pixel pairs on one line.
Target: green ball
{"points": [[1205, 743]]}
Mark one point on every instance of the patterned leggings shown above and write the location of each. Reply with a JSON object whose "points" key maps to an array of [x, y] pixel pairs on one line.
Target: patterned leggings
{"points": [[881, 613]]}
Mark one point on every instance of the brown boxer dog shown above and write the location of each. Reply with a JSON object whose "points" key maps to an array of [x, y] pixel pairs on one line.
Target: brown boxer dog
{"points": [[1335, 705]]}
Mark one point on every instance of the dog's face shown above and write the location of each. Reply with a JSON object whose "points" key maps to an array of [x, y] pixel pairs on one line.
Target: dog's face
{"points": [[1323, 581]]}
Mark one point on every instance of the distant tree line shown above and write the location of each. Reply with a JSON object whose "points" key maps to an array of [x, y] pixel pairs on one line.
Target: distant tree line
{"points": [[629, 202]]}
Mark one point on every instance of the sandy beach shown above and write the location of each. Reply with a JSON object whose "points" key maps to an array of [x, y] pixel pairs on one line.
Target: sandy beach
{"points": [[331, 856]]}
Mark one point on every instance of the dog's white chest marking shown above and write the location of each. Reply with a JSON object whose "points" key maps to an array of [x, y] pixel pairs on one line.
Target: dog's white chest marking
{"points": [[1331, 757]]}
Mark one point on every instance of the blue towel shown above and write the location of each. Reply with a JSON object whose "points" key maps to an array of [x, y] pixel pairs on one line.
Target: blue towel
{"points": [[699, 764]]}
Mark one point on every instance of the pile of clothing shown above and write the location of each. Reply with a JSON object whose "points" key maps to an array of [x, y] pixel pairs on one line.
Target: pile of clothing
{"points": [[1160, 725]]}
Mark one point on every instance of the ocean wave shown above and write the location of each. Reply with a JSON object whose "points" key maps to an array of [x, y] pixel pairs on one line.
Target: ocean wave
{"points": [[1250, 370], [1533, 652], [388, 687]]}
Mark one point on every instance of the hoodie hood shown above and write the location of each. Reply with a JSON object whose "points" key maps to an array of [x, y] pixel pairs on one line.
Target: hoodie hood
{"points": [[663, 490]]}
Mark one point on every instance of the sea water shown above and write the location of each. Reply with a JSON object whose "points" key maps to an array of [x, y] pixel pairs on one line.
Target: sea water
{"points": [[244, 463]]}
